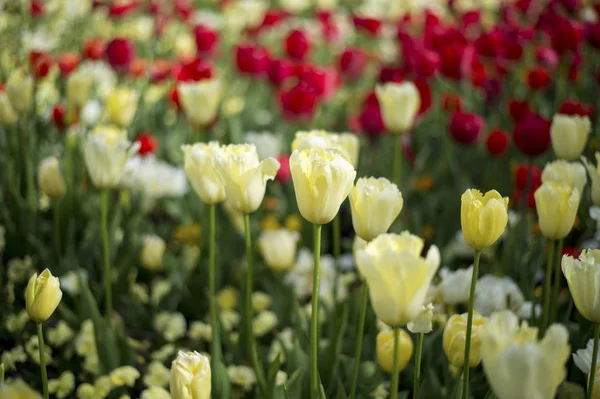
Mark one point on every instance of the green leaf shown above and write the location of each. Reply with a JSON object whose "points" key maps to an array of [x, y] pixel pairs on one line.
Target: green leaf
{"points": [[220, 380], [273, 369], [334, 348], [341, 392]]}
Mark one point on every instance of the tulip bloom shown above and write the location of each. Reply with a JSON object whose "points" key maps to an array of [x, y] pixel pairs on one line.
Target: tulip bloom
{"points": [[19, 89], [399, 104], [556, 206], [569, 173], [583, 277], [121, 106], [42, 296], [322, 181], [152, 252], [483, 217], [375, 204], [8, 116], [201, 172], [278, 248], [190, 376], [347, 143], [385, 350], [200, 101], [50, 178], [397, 275], [569, 135], [517, 364], [454, 339]]}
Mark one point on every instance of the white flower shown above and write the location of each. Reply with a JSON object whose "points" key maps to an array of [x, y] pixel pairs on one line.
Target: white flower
{"points": [[583, 357], [242, 376], [90, 113], [455, 285], [526, 310], [494, 294], [153, 178], [422, 323]]}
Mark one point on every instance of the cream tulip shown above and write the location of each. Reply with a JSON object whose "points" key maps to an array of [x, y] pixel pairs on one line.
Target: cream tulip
{"points": [[152, 252], [105, 153], [200, 169], [583, 277], [397, 275], [322, 181], [8, 116], [278, 248], [517, 364], [42, 296], [569, 134], [50, 179], [454, 339], [190, 376], [120, 106], [78, 86], [594, 172], [483, 218], [570, 173], [200, 101], [374, 204], [244, 176], [399, 103], [422, 324], [347, 143], [556, 206], [19, 89]]}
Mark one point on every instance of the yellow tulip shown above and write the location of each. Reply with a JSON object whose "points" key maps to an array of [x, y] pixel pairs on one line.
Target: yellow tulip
{"points": [[200, 169], [583, 277], [18, 389], [200, 101], [42, 296], [569, 133], [244, 176], [385, 350], [120, 106], [19, 89], [399, 104], [278, 248], [397, 275], [374, 204], [483, 218], [347, 143], [190, 376], [454, 339], [595, 177], [78, 86], [517, 364], [556, 206], [152, 252], [50, 178], [569, 173], [8, 115], [322, 181]]}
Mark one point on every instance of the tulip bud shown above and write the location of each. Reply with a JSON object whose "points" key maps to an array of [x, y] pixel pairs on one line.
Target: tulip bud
{"points": [[322, 181], [556, 206], [152, 252], [50, 178], [569, 173], [569, 135], [120, 107], [7, 113], [78, 89], [483, 218], [200, 101], [201, 172], [583, 277], [42, 296], [385, 350], [454, 339], [19, 90], [422, 322], [375, 204], [190, 376], [278, 248], [399, 104]]}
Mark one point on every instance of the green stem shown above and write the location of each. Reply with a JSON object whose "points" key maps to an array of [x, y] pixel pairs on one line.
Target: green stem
{"points": [[106, 254], [467, 365], [359, 338], [592, 376], [336, 253], [398, 160], [557, 278], [314, 317], [42, 360], [56, 216], [29, 178], [396, 366], [214, 347], [547, 288], [417, 382]]}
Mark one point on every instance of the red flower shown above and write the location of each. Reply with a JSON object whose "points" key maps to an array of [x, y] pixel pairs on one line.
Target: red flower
{"points": [[148, 144], [280, 70], [284, 173], [518, 110], [521, 177], [352, 63], [194, 70], [592, 34], [424, 94], [465, 127], [451, 102], [532, 134], [391, 73], [120, 52], [323, 80], [67, 62], [297, 45], [37, 8], [40, 63], [121, 8], [573, 107], [571, 251], [252, 60], [565, 35], [174, 98], [518, 198], [183, 8], [547, 57], [370, 26], [59, 113], [497, 143], [370, 120], [538, 79], [94, 49], [206, 40], [298, 102], [160, 70]]}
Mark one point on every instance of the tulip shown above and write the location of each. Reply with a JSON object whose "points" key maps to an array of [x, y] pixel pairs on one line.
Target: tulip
{"points": [[120, 106], [190, 376], [200, 101], [244, 176], [454, 339], [105, 153], [594, 177], [385, 350], [346, 143], [397, 275], [569, 173], [50, 178], [322, 181], [152, 252], [278, 248], [8, 115], [42, 296], [483, 217], [19, 90], [78, 88], [569, 135], [556, 206], [201, 172], [399, 104], [516, 364], [583, 277]]}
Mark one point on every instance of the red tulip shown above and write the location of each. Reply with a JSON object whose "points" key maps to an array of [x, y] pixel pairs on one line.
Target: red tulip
{"points": [[298, 102], [148, 144], [352, 63], [206, 40], [518, 109], [160, 70], [121, 8], [571, 251], [67, 62], [497, 143], [297, 45], [573, 107], [465, 127], [252, 60], [40, 63], [59, 113], [174, 98], [37, 8], [370, 119], [592, 34], [370, 26], [94, 49], [532, 134], [284, 173], [120, 52], [424, 94], [538, 79], [547, 57], [535, 178], [323, 80], [451, 102], [391, 73], [280, 70], [194, 70]]}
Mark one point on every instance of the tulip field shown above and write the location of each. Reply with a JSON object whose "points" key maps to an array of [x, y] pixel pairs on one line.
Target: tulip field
{"points": [[299, 199]]}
